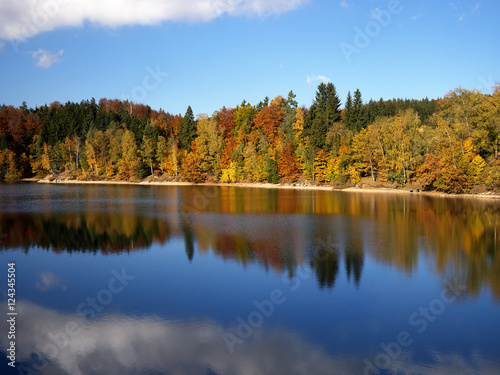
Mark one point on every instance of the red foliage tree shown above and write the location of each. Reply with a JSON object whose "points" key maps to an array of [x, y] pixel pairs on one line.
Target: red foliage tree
{"points": [[287, 164], [269, 120], [229, 148], [226, 120], [20, 126], [174, 124]]}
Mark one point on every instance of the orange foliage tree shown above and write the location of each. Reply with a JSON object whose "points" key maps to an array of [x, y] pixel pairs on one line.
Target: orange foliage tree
{"points": [[269, 120]]}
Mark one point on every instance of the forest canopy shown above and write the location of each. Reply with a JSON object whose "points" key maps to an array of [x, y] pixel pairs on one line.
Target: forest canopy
{"points": [[450, 144]]}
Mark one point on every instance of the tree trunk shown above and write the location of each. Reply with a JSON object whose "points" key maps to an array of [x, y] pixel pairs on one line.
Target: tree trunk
{"points": [[95, 163], [371, 165], [404, 168], [451, 148], [381, 149], [496, 147]]}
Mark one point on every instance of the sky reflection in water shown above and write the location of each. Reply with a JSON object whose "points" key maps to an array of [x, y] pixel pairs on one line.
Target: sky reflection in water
{"points": [[352, 269]]}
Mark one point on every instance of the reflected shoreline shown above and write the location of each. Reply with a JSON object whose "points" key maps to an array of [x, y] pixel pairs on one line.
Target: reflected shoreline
{"points": [[281, 230], [258, 185]]}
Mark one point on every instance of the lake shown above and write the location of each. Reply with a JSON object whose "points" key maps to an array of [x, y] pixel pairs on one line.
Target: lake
{"points": [[126, 279]]}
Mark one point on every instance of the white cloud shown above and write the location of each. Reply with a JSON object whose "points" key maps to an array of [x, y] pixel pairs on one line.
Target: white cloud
{"points": [[68, 343], [2, 44], [311, 79], [46, 58], [22, 19], [344, 4], [118, 344], [465, 13], [47, 281], [476, 7]]}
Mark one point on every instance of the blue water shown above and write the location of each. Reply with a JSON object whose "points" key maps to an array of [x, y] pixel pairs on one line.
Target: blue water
{"points": [[190, 280]]}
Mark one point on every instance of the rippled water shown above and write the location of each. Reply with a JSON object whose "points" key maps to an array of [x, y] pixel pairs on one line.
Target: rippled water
{"points": [[205, 280]]}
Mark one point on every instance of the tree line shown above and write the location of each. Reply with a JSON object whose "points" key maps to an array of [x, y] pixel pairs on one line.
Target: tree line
{"points": [[450, 144]]}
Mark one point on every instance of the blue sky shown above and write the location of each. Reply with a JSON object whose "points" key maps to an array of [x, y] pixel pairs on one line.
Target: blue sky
{"points": [[212, 53]]}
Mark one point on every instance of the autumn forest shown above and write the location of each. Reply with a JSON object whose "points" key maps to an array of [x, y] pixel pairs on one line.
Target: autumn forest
{"points": [[449, 145]]}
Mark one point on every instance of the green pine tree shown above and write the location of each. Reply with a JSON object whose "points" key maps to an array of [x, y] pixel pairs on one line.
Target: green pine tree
{"points": [[323, 114], [332, 105], [348, 112], [271, 170], [289, 118], [359, 118], [187, 131], [291, 100]]}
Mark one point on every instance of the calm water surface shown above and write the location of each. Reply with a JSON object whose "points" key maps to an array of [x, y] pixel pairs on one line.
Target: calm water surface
{"points": [[196, 280]]}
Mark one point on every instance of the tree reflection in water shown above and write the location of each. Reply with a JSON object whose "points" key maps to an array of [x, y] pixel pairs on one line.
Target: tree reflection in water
{"points": [[282, 230]]}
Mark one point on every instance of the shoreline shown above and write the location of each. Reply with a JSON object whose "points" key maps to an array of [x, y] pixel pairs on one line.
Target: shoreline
{"points": [[261, 185]]}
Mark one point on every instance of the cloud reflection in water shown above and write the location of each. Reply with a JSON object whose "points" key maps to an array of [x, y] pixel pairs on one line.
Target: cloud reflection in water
{"points": [[120, 344]]}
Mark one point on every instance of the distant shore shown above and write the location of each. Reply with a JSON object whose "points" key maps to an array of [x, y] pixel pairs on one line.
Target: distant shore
{"points": [[260, 185]]}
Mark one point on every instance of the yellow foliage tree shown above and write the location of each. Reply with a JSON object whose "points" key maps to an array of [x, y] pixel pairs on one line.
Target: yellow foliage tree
{"points": [[304, 155], [162, 152], [298, 127], [363, 154], [321, 171], [476, 166], [130, 156], [253, 168], [9, 165], [209, 146], [171, 163], [46, 158], [91, 153], [230, 174]]}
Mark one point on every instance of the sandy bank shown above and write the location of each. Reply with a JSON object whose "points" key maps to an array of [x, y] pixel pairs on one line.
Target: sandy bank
{"points": [[365, 190]]}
